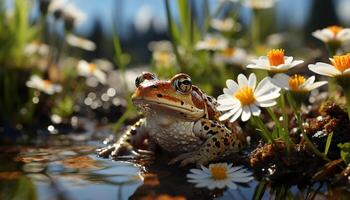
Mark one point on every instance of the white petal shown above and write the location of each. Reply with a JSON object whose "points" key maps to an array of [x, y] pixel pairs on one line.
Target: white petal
{"points": [[268, 96], [255, 66], [232, 185], [255, 110], [281, 80], [309, 81], [315, 85], [347, 71], [236, 115], [225, 99], [324, 69], [233, 169], [265, 104], [243, 179], [230, 113], [296, 62], [225, 107], [196, 171], [252, 81], [242, 80], [288, 59], [198, 176], [246, 113], [232, 85], [265, 86]]}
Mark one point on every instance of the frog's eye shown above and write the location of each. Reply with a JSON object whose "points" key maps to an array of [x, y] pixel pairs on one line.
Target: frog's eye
{"points": [[144, 76], [183, 85]]}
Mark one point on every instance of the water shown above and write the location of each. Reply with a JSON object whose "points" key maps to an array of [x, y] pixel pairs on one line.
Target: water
{"points": [[74, 172]]}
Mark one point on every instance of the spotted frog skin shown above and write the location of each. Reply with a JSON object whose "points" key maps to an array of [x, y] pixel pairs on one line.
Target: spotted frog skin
{"points": [[179, 118]]}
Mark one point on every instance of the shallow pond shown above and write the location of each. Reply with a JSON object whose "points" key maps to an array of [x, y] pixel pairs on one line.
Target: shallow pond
{"points": [[73, 171]]}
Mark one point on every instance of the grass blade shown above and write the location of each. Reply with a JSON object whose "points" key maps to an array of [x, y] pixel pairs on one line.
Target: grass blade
{"points": [[328, 143]]}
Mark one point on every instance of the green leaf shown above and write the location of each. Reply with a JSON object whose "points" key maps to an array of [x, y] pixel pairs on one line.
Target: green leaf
{"points": [[328, 143], [345, 152], [259, 190]]}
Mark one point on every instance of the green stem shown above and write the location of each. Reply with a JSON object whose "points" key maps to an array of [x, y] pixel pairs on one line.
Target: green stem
{"points": [[171, 33], [265, 134], [332, 87], [255, 29], [285, 132], [284, 111], [297, 112], [347, 96]]}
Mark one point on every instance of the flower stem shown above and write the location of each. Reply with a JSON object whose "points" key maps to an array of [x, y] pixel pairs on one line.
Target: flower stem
{"points": [[255, 29], [347, 96], [265, 134], [284, 132], [297, 112]]}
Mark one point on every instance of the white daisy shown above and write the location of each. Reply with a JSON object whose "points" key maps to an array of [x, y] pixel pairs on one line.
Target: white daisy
{"points": [[212, 43], [219, 175], [259, 4], [275, 61], [297, 83], [163, 58], [244, 98], [74, 15], [45, 86], [80, 42], [340, 67], [90, 69], [333, 34], [225, 25], [231, 55], [36, 47]]}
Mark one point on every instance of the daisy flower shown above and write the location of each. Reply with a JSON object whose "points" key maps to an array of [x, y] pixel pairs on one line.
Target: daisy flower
{"points": [[297, 83], [90, 69], [225, 25], [259, 4], [333, 34], [231, 56], [36, 47], [244, 98], [340, 67], [212, 43], [219, 175], [80, 42], [275, 62], [45, 86]]}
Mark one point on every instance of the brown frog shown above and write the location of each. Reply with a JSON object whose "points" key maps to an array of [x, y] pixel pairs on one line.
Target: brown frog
{"points": [[179, 118]]}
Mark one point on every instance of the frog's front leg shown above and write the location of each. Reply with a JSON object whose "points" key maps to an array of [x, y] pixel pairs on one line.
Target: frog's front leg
{"points": [[219, 140], [133, 138]]}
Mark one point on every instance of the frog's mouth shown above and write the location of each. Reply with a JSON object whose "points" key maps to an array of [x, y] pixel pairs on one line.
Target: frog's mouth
{"points": [[168, 108]]}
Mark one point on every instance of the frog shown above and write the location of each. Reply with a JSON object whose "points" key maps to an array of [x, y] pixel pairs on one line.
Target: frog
{"points": [[179, 118]]}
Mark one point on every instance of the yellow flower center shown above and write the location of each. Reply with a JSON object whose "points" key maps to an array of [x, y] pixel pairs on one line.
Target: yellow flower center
{"points": [[218, 172], [335, 29], [162, 58], [295, 81], [213, 42], [342, 62], [92, 67], [47, 83], [228, 52], [276, 57], [245, 95]]}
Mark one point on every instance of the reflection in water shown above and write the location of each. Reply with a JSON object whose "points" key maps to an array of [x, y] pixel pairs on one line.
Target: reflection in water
{"points": [[74, 173]]}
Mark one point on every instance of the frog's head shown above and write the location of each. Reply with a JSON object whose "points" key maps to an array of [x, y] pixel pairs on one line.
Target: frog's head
{"points": [[175, 97]]}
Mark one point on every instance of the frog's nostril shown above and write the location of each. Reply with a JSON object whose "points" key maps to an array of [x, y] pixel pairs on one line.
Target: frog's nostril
{"points": [[159, 95]]}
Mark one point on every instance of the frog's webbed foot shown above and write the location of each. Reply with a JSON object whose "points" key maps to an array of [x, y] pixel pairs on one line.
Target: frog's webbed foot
{"points": [[133, 138], [188, 158]]}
